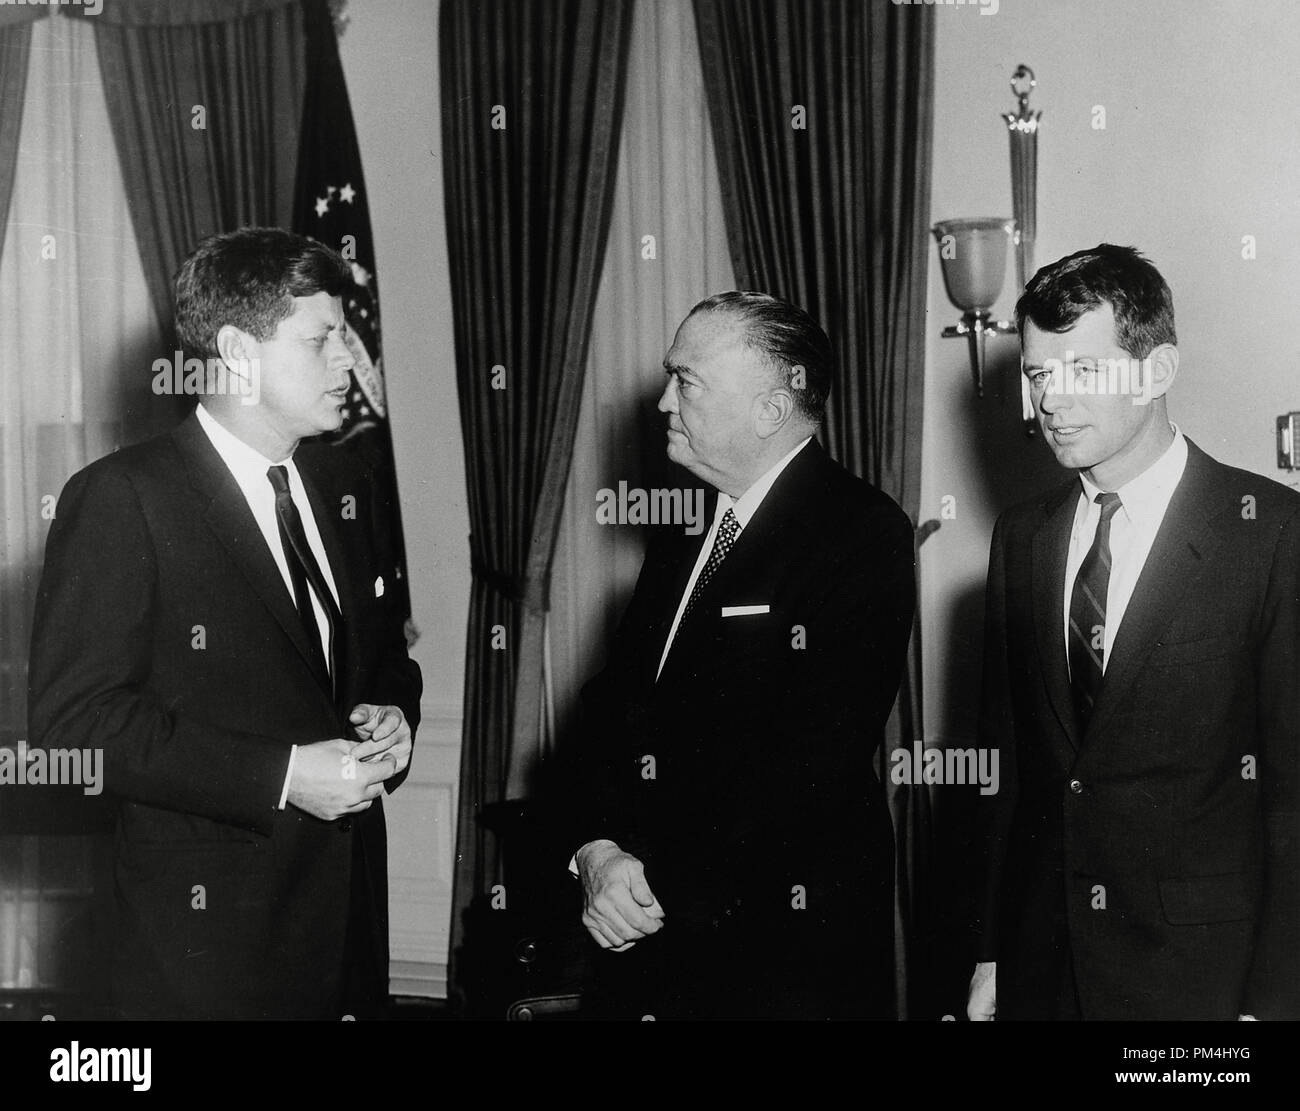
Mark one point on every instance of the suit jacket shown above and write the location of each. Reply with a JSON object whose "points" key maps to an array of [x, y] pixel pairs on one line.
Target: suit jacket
{"points": [[743, 777], [1158, 849], [164, 635]]}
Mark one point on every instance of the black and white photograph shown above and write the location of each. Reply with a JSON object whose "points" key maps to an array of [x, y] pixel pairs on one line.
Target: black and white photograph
{"points": [[648, 511]]}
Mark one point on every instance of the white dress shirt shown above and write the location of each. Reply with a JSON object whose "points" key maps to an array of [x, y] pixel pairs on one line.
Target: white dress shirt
{"points": [[248, 467], [743, 508], [1143, 503]]}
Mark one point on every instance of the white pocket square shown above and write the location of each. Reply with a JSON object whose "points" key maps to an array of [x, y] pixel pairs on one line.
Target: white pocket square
{"points": [[379, 587], [744, 611]]}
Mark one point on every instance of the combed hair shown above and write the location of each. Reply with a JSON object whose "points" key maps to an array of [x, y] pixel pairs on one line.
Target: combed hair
{"points": [[786, 337], [249, 278], [1064, 290]]}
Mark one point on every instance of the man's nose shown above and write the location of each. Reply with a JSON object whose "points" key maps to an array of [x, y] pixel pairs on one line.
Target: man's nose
{"points": [[1053, 400], [339, 353], [668, 399]]}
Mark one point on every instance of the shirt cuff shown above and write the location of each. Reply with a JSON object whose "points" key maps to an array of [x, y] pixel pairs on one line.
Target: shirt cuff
{"points": [[288, 775]]}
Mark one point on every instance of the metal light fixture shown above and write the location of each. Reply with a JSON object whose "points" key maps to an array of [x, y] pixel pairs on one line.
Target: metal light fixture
{"points": [[973, 251], [1022, 131], [973, 257]]}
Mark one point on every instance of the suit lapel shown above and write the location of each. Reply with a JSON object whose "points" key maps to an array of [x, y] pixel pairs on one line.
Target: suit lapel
{"points": [[757, 548], [675, 561], [1051, 546], [235, 528], [1186, 539]]}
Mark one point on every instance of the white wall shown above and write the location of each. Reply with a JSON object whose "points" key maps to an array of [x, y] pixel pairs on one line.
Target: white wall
{"points": [[1198, 151], [390, 57]]}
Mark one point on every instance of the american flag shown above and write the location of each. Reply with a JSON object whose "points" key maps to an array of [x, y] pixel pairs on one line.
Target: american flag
{"points": [[331, 207]]}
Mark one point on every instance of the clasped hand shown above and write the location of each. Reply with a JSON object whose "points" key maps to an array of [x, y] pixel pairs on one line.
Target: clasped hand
{"points": [[340, 776], [618, 906]]}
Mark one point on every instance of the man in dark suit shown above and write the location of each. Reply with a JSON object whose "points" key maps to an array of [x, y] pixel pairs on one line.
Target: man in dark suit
{"points": [[1141, 650], [737, 860], [212, 616]]}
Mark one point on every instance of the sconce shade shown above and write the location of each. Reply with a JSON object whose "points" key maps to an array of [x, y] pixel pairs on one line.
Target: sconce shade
{"points": [[975, 262]]}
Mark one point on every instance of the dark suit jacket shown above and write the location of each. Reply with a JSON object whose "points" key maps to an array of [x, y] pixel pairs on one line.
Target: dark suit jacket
{"points": [[761, 730], [1159, 848], [164, 635]]}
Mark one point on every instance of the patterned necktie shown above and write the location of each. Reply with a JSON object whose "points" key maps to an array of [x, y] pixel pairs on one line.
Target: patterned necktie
{"points": [[728, 530], [1087, 647], [304, 570]]}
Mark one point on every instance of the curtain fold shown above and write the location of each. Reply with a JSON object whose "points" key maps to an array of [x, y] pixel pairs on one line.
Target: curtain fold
{"points": [[80, 334], [15, 49], [206, 117], [668, 190], [532, 99], [822, 116]]}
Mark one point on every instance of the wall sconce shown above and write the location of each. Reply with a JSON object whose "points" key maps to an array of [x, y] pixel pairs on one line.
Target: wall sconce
{"points": [[973, 256], [1022, 130]]}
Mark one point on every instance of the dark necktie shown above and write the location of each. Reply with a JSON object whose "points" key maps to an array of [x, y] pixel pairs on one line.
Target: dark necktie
{"points": [[728, 530], [306, 576], [1087, 651]]}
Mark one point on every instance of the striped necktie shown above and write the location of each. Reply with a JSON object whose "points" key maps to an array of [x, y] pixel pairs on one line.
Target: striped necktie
{"points": [[1087, 644]]}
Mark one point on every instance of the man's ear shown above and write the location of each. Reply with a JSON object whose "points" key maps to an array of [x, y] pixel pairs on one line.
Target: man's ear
{"points": [[775, 408], [237, 349], [1162, 365]]}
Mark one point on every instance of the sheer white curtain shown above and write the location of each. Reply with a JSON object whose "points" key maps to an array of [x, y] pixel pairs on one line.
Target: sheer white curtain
{"points": [[667, 189], [78, 335], [77, 330]]}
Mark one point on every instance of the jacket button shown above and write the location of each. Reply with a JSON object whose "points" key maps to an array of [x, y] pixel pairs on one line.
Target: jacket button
{"points": [[345, 825], [1076, 786]]}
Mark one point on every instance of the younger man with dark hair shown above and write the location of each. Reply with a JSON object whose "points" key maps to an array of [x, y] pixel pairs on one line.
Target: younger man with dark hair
{"points": [[211, 618], [1142, 860]]}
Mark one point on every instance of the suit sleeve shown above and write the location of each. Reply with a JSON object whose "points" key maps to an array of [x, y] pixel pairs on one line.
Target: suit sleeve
{"points": [[992, 819], [90, 662], [397, 683], [613, 719], [1273, 990]]}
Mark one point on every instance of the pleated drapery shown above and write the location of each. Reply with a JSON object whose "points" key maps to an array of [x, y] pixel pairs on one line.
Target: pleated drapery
{"points": [[532, 98], [206, 103]]}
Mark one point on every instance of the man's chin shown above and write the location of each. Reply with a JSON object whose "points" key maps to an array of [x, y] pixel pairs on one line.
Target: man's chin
{"points": [[330, 421]]}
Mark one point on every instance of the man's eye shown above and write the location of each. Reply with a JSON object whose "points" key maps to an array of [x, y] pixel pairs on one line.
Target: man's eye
{"points": [[1039, 378], [1085, 368]]}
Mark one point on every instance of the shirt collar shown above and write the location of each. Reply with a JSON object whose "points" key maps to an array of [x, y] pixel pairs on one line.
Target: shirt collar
{"points": [[745, 506], [1149, 492], [247, 464]]}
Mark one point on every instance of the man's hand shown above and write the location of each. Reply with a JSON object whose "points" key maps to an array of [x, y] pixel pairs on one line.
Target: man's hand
{"points": [[618, 906], [982, 1002], [384, 731], [329, 780]]}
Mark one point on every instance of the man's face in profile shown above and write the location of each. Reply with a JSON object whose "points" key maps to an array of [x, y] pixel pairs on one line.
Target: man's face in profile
{"points": [[304, 369], [713, 387], [1086, 420]]}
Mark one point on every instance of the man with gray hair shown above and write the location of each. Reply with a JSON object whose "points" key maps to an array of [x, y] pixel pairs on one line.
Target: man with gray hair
{"points": [[736, 856]]}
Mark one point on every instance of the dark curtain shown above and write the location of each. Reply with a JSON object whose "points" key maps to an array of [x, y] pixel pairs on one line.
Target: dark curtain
{"points": [[205, 101], [532, 98], [822, 120], [15, 47]]}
